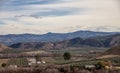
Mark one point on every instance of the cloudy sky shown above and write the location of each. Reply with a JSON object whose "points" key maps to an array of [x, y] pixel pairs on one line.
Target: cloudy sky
{"points": [[61, 16]]}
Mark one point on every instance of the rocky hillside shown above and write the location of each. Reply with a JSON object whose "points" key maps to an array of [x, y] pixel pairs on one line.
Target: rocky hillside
{"points": [[106, 41]]}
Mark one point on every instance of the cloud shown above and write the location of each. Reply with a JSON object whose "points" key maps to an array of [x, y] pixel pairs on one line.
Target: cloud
{"points": [[42, 16], [52, 12], [34, 16], [1, 23], [2, 1], [118, 3], [27, 2]]}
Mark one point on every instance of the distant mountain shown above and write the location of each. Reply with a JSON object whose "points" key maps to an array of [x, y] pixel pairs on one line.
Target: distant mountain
{"points": [[49, 37], [103, 41]]}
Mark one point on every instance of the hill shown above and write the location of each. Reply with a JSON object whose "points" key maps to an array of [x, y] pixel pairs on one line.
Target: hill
{"points": [[49, 37], [3, 47], [113, 51], [106, 41]]}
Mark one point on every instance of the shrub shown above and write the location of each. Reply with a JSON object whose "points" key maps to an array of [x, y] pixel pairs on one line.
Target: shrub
{"points": [[100, 65]]}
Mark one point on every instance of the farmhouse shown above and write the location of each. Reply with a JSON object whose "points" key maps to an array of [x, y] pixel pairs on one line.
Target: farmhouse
{"points": [[90, 66], [33, 61], [13, 66]]}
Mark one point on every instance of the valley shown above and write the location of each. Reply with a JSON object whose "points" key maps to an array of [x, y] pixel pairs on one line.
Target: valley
{"points": [[84, 53]]}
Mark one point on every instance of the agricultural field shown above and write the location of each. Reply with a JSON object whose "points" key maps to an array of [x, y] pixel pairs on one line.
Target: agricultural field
{"points": [[78, 51], [77, 55], [48, 59], [114, 61], [18, 61], [15, 51], [36, 52]]}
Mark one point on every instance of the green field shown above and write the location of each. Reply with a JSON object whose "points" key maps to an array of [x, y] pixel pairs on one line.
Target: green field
{"points": [[81, 50]]}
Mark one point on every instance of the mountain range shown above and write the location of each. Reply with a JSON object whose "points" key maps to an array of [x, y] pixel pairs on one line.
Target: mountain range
{"points": [[49, 37], [100, 41]]}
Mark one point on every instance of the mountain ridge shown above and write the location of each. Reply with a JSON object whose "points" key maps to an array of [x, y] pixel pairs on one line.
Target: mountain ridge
{"points": [[106, 41], [49, 37]]}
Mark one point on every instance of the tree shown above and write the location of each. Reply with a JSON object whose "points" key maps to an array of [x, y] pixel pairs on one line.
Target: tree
{"points": [[67, 56], [3, 64]]}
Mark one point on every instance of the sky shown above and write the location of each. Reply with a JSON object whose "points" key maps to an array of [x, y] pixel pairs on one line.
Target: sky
{"points": [[58, 16]]}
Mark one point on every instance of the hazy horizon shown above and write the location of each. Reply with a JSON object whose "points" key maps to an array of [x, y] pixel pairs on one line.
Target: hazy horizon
{"points": [[58, 16], [59, 32]]}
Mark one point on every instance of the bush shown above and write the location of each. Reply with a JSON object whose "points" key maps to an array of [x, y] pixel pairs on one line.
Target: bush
{"points": [[100, 65]]}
